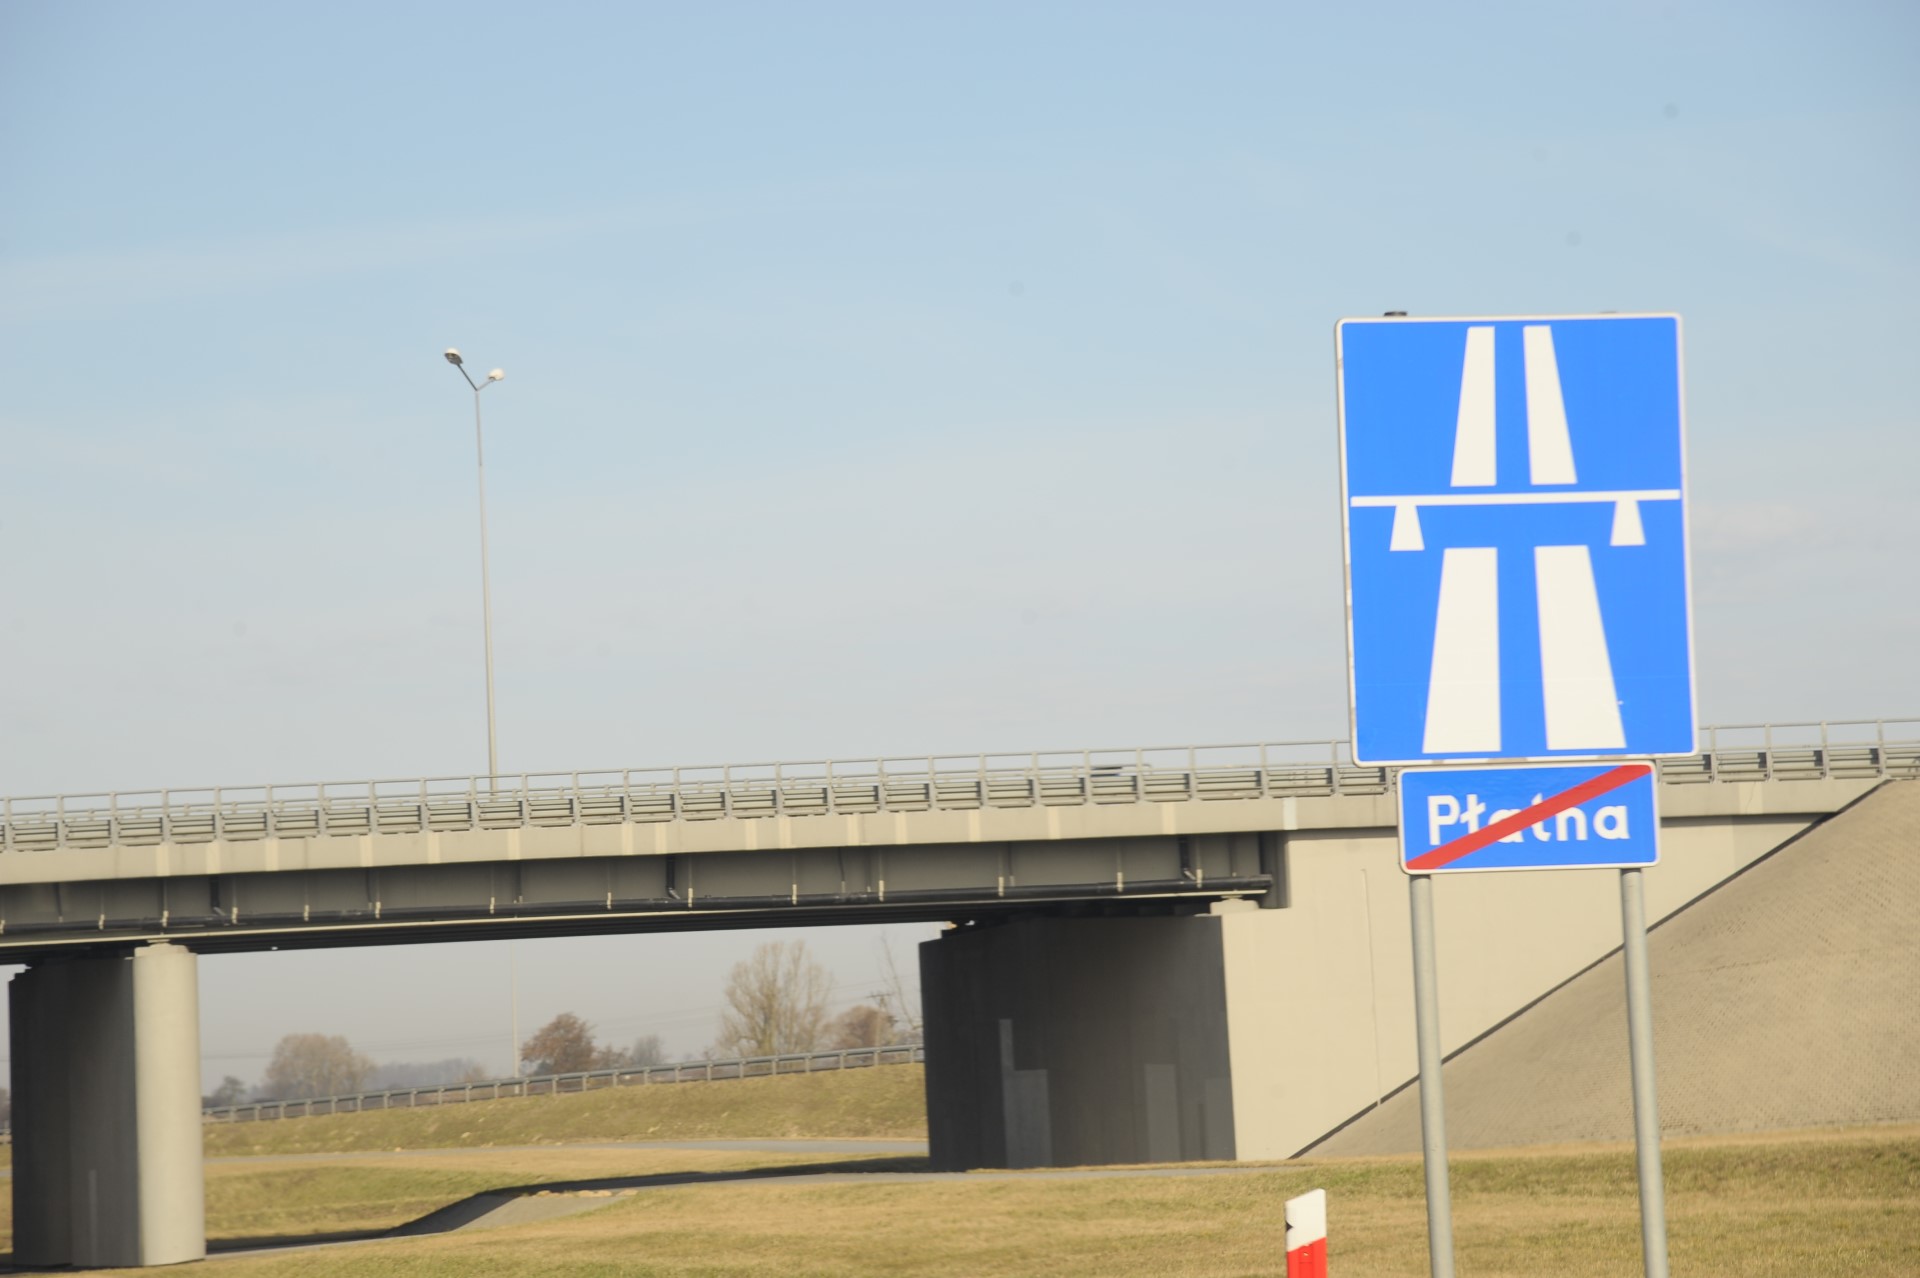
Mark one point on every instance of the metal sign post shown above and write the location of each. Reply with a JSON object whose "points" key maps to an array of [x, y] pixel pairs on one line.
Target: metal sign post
{"points": [[1433, 1108], [1513, 500], [1646, 1105], [1558, 817]]}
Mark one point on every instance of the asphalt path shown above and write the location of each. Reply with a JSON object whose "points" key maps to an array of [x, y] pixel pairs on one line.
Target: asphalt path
{"points": [[527, 1204]]}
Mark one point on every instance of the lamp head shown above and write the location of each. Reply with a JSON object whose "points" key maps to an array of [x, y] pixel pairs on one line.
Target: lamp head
{"points": [[496, 374], [453, 357]]}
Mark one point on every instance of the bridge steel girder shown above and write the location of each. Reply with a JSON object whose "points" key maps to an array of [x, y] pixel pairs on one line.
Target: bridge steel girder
{"points": [[482, 899]]}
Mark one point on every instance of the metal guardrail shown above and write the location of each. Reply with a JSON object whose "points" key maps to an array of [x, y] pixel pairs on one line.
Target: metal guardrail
{"points": [[1742, 752], [560, 1084]]}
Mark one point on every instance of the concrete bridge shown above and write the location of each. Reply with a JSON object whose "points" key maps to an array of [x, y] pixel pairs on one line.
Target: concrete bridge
{"points": [[1158, 954]]}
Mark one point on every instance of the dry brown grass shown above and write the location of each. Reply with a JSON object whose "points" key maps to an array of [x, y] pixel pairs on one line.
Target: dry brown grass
{"points": [[1823, 1204], [304, 1195]]}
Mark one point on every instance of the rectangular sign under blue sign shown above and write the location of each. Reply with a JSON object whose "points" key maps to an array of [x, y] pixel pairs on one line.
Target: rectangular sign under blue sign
{"points": [[1552, 817], [1513, 493]]}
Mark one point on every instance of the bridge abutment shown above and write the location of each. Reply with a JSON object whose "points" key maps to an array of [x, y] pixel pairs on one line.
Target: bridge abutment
{"points": [[106, 1110], [1252, 1033]]}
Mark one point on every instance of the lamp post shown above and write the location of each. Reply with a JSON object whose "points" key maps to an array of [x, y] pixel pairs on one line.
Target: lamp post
{"points": [[486, 593], [486, 631]]}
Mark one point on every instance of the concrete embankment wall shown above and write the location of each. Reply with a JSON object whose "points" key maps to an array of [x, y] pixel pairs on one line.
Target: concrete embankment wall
{"points": [[1788, 997]]}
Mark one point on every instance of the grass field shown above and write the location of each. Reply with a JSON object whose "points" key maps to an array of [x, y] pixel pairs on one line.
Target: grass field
{"points": [[1783, 1206], [1816, 1204], [887, 1101]]}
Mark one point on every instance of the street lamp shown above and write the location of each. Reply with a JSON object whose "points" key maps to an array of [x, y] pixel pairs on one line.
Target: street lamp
{"points": [[486, 630], [486, 594]]}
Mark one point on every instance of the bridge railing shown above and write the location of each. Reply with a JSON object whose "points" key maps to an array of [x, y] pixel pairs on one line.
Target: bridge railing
{"points": [[561, 1084], [1849, 749], [1861, 748]]}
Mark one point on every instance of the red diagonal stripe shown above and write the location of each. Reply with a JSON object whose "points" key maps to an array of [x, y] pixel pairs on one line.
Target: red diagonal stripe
{"points": [[1447, 853]]}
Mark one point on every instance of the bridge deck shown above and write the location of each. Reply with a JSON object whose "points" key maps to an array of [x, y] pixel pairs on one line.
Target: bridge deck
{"points": [[971, 838], [1854, 750]]}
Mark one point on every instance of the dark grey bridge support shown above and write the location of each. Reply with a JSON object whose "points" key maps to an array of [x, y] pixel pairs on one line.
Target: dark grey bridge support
{"points": [[1063, 1042], [106, 1111]]}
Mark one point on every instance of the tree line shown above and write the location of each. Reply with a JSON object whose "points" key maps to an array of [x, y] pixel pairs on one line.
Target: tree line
{"points": [[777, 1001]]}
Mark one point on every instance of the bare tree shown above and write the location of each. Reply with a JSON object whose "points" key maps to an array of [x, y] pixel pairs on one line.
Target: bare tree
{"points": [[230, 1092], [861, 1026], [306, 1065], [776, 1002], [896, 1001], [648, 1049], [564, 1045]]}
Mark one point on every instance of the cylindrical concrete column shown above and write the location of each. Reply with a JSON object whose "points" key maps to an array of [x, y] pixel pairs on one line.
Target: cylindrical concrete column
{"points": [[169, 1152], [106, 1069]]}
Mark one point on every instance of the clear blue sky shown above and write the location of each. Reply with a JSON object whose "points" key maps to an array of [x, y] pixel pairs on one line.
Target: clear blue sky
{"points": [[880, 378]]}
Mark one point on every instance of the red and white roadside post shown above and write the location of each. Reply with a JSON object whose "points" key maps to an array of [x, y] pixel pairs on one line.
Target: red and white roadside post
{"points": [[1307, 1235]]}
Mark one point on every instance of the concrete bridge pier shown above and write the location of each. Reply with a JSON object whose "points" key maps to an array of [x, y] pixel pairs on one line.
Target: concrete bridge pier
{"points": [[106, 1110], [1070, 1041]]}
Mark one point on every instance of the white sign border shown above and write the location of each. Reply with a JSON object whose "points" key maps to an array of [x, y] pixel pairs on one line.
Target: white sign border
{"points": [[1400, 814]]}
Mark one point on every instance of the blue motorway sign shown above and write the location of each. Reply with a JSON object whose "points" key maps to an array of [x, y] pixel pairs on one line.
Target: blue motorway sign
{"points": [[1514, 499], [1544, 817]]}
